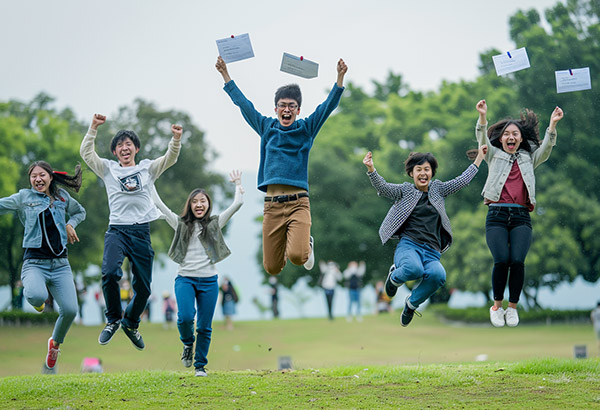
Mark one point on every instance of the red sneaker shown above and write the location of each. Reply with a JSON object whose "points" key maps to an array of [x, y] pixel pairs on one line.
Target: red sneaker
{"points": [[52, 354]]}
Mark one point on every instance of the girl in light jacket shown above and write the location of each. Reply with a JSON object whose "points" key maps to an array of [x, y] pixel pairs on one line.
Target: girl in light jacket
{"points": [[197, 246], [43, 210], [509, 191]]}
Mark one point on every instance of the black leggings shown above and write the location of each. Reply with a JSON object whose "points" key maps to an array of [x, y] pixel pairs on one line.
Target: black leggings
{"points": [[508, 234]]}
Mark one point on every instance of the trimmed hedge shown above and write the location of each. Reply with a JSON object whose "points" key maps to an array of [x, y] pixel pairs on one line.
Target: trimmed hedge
{"points": [[482, 315], [20, 318]]}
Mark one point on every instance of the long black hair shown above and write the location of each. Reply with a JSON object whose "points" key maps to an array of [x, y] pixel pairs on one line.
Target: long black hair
{"points": [[72, 182], [528, 125], [188, 216]]}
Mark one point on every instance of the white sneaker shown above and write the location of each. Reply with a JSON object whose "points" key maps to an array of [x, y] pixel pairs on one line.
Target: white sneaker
{"points": [[201, 372], [512, 317], [308, 265], [497, 317]]}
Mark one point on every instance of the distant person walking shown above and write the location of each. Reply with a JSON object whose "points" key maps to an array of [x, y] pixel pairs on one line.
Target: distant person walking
{"points": [[229, 298], [50, 216], [353, 275], [595, 316], [330, 276]]}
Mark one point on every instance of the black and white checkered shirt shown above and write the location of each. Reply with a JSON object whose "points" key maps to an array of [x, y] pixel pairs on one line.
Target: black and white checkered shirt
{"points": [[406, 196]]}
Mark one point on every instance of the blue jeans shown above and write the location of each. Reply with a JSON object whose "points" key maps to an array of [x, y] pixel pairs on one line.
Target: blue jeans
{"points": [[56, 274], [133, 242], [200, 293], [418, 262], [354, 295]]}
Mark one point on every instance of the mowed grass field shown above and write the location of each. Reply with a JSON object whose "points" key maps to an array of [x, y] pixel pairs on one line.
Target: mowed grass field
{"points": [[310, 343], [374, 364]]}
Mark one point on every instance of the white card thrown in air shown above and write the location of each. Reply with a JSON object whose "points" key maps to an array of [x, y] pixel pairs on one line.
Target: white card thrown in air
{"points": [[299, 66], [512, 61], [576, 79], [235, 48]]}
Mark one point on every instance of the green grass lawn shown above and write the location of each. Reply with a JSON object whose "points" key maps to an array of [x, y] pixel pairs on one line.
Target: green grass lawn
{"points": [[311, 343], [368, 365]]}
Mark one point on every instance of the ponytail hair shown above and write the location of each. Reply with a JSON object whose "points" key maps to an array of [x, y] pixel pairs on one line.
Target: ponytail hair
{"points": [[72, 182]]}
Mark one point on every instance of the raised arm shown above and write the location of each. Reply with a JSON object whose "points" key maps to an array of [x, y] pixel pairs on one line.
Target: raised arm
{"points": [[161, 164], [222, 69], [170, 216], [543, 152], [342, 68], [88, 150], [392, 191], [235, 176], [461, 181]]}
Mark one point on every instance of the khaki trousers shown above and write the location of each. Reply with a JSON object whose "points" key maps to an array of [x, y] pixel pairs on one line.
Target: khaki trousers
{"points": [[286, 234]]}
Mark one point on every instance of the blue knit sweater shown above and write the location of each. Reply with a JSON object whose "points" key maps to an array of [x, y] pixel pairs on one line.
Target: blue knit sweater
{"points": [[284, 150]]}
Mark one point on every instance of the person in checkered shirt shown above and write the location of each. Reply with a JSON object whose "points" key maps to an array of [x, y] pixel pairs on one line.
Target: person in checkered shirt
{"points": [[418, 219]]}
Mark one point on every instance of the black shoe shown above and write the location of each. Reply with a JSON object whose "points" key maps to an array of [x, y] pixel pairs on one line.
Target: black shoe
{"points": [[407, 314], [390, 288], [135, 337], [188, 355], [108, 332]]}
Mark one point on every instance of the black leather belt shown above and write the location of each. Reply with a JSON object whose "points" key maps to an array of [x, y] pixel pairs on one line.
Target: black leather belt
{"points": [[286, 198]]}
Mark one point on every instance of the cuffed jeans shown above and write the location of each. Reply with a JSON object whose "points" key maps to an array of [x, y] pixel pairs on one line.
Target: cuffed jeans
{"points": [[133, 242], [56, 274], [196, 298], [418, 262]]}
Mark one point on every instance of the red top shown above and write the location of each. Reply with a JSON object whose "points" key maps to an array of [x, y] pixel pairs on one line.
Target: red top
{"points": [[514, 190]]}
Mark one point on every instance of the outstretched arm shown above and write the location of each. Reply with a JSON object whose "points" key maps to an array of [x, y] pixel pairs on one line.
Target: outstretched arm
{"points": [[482, 110], [541, 154], [342, 68], [235, 176], [222, 68], [87, 149], [556, 116], [160, 164], [392, 191]]}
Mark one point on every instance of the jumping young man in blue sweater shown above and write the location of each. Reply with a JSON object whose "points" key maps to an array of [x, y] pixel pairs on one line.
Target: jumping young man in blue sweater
{"points": [[283, 169]]}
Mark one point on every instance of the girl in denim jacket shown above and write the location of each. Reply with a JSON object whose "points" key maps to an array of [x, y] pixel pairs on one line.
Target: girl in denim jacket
{"points": [[43, 211], [509, 191], [197, 246]]}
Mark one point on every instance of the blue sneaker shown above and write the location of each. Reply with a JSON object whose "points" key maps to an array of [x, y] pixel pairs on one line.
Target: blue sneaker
{"points": [[108, 332], [135, 337]]}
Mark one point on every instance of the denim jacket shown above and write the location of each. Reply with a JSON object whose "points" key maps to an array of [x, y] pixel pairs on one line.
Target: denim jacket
{"points": [[29, 204], [500, 164]]}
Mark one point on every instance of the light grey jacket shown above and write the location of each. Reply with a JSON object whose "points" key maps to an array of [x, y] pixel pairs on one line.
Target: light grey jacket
{"points": [[500, 163]]}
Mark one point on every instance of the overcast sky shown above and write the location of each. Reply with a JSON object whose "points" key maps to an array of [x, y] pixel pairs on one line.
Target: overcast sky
{"points": [[97, 56]]}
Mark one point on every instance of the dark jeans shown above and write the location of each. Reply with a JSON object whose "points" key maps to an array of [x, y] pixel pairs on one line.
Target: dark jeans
{"points": [[508, 234], [329, 297], [133, 242]]}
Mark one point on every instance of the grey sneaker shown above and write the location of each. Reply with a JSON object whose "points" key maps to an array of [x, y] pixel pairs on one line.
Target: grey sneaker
{"points": [[310, 263], [201, 372], [390, 287], [135, 337], [188, 355], [108, 332]]}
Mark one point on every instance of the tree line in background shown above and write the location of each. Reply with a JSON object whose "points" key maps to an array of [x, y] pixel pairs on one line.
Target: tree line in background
{"points": [[394, 120], [391, 122]]}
